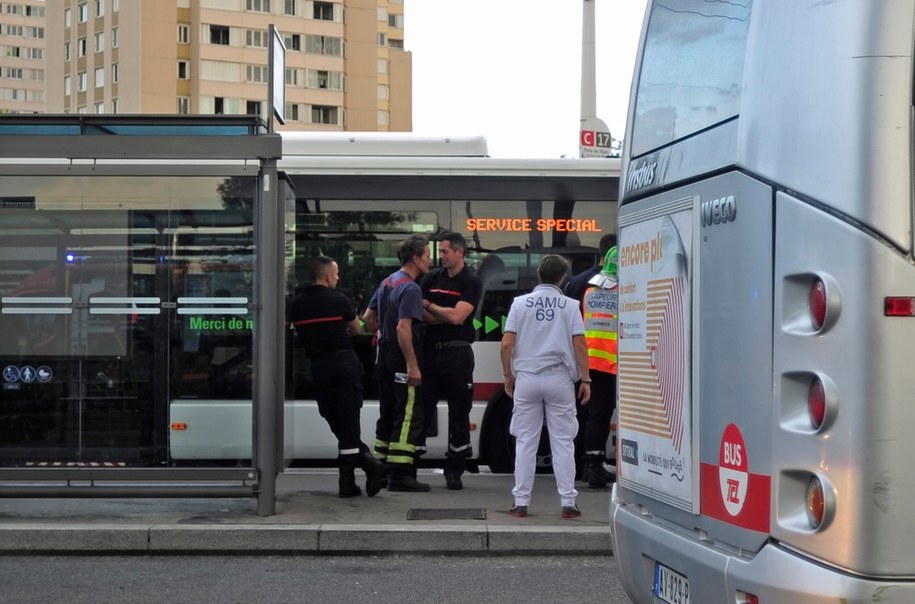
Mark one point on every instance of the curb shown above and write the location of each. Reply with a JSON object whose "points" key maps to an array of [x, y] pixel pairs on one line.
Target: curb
{"points": [[300, 539]]}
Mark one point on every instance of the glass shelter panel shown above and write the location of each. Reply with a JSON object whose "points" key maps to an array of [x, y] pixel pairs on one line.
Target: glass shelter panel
{"points": [[118, 295]]}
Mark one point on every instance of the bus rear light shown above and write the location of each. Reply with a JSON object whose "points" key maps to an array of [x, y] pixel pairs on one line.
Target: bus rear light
{"points": [[899, 306], [747, 598], [816, 402], [179, 426], [818, 303], [816, 502]]}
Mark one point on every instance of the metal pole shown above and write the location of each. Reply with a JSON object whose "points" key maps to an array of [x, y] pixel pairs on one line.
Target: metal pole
{"points": [[269, 366]]}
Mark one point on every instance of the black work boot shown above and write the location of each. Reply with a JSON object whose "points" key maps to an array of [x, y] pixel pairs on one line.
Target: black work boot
{"points": [[453, 481], [596, 475], [404, 481], [348, 487], [374, 473]]}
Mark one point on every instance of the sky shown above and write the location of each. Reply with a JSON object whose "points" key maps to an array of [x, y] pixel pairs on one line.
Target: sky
{"points": [[510, 70]]}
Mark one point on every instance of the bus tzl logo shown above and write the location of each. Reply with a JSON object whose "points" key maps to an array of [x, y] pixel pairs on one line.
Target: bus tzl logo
{"points": [[719, 211]]}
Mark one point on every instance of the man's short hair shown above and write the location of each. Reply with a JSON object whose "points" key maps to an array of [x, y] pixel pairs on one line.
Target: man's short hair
{"points": [[606, 242], [320, 267], [412, 248], [455, 240], [552, 269]]}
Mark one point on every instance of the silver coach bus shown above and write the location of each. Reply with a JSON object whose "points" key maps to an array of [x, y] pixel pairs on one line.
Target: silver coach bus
{"points": [[766, 286]]}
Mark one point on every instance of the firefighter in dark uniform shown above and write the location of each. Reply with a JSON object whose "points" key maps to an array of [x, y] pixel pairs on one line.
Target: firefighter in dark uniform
{"points": [[451, 293], [396, 312], [324, 320]]}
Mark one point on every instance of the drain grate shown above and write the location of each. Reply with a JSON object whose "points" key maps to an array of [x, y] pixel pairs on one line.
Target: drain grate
{"points": [[446, 514]]}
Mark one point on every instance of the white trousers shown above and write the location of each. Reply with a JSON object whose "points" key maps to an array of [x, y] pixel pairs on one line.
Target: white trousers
{"points": [[550, 393]]}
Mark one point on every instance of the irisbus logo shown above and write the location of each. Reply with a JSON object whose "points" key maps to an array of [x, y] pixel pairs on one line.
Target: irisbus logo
{"points": [[719, 211], [641, 177]]}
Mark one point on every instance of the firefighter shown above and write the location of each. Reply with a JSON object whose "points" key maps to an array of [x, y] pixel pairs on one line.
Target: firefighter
{"points": [[324, 320], [451, 293], [599, 309]]}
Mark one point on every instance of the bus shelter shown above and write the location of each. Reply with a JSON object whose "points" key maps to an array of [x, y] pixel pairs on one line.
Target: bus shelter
{"points": [[141, 262]]}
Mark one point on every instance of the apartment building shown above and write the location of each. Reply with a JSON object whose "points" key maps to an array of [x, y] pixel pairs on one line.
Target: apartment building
{"points": [[346, 68], [22, 56]]}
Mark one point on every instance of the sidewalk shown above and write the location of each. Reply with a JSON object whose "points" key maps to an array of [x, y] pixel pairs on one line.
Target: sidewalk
{"points": [[310, 518]]}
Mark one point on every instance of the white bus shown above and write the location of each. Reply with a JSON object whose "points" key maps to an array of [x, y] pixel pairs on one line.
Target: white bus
{"points": [[767, 291], [356, 197]]}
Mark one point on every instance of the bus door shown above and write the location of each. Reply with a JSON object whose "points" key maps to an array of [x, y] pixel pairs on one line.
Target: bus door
{"points": [[694, 445]]}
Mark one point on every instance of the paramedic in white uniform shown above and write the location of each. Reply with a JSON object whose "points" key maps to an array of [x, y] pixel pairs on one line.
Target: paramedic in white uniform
{"points": [[543, 354]]}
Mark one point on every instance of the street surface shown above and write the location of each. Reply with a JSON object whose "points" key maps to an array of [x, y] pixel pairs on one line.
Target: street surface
{"points": [[280, 579]]}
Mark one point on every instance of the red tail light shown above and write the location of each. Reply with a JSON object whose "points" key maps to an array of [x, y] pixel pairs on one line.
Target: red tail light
{"points": [[818, 303], [899, 306], [816, 403]]}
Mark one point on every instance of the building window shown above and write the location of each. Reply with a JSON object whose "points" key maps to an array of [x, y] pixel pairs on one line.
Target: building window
{"points": [[255, 73], [292, 77], [219, 34], [100, 108], [253, 108], [383, 118], [67, 85], [292, 112], [324, 114], [114, 37], [256, 37], [99, 8], [324, 45], [219, 105], [66, 51], [68, 17], [184, 33], [114, 73], [114, 102], [183, 70], [35, 53], [81, 47], [382, 39], [383, 92], [393, 43], [324, 11], [318, 78], [99, 77], [81, 81], [83, 13], [261, 6], [184, 105], [289, 9], [292, 42], [395, 21], [99, 42], [115, 7]]}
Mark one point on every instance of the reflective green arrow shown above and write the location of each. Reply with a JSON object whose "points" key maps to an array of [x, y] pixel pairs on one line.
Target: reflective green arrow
{"points": [[491, 324], [477, 324]]}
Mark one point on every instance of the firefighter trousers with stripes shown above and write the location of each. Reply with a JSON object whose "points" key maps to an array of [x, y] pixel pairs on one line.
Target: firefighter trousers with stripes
{"points": [[399, 429]]}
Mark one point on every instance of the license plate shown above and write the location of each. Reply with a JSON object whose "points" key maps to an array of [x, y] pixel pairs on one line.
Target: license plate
{"points": [[670, 586]]}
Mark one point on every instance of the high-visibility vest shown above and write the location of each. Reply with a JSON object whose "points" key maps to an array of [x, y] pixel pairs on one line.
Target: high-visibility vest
{"points": [[601, 317]]}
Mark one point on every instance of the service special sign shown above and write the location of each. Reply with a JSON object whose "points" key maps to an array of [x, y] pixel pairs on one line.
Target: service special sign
{"points": [[654, 346]]}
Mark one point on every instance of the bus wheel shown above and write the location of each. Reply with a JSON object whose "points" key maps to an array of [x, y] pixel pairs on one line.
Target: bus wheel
{"points": [[498, 444]]}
